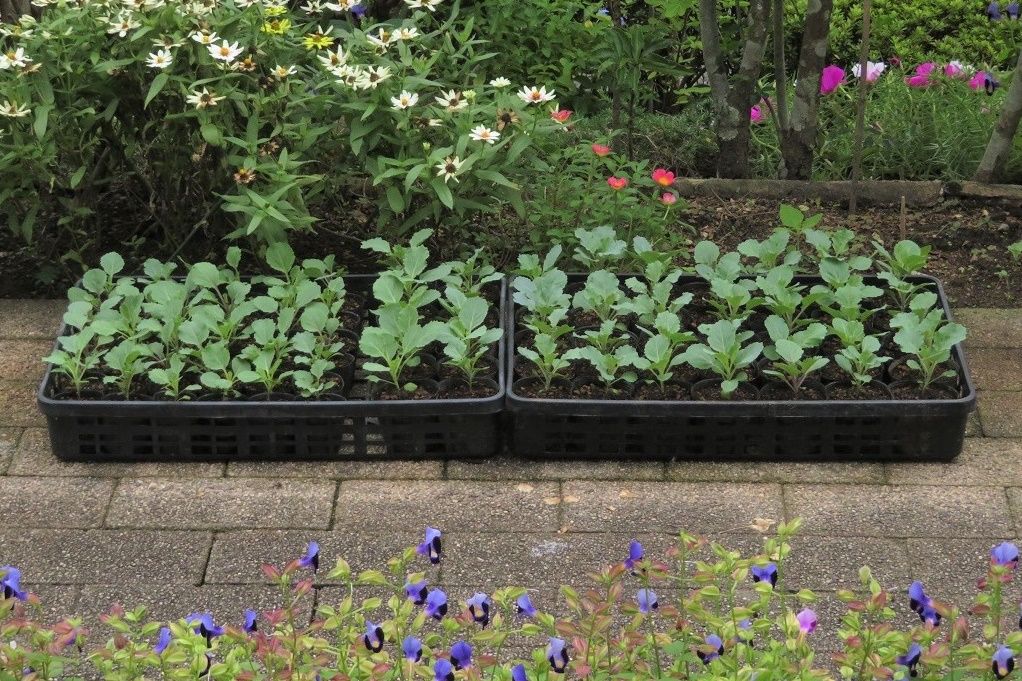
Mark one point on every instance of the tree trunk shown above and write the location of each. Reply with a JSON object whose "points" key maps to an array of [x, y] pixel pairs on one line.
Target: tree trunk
{"points": [[860, 107], [798, 139], [1000, 145], [780, 79], [733, 98], [12, 10]]}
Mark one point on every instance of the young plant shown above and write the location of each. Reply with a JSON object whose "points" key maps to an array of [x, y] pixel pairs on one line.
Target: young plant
{"points": [[845, 294], [733, 299], [599, 248], [465, 337], [221, 374], [530, 266], [929, 340], [78, 355], [605, 338], [396, 344], [470, 275], [314, 381], [710, 264], [787, 300], [602, 296], [611, 366], [789, 362], [544, 300], [859, 359], [837, 244], [409, 265], [546, 358], [774, 251], [664, 350], [905, 259], [127, 361], [171, 377], [270, 346], [653, 293], [724, 353]]}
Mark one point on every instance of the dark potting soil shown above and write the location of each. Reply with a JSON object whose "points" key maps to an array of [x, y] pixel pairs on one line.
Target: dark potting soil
{"points": [[669, 392], [777, 391], [707, 393], [846, 391], [914, 392], [464, 392]]}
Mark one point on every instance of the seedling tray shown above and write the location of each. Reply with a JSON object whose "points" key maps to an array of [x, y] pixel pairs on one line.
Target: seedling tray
{"points": [[113, 430], [827, 430]]}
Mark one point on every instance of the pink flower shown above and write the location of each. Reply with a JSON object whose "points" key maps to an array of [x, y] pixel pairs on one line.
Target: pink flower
{"points": [[561, 115], [664, 178], [668, 199], [617, 183], [757, 115], [955, 69], [601, 150], [831, 79], [922, 76], [977, 81], [874, 69]]}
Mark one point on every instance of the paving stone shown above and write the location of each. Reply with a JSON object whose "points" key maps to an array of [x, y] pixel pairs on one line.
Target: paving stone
{"points": [[58, 601], [651, 506], [8, 444], [899, 510], [830, 563], [525, 469], [983, 461], [973, 427], [237, 557], [34, 457], [448, 505], [30, 318], [18, 404], [991, 327], [829, 610], [53, 502], [21, 360], [765, 471], [346, 470], [1000, 413], [106, 556], [996, 368], [221, 503]]}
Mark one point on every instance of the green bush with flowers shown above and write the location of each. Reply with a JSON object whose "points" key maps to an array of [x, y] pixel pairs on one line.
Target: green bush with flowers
{"points": [[733, 616]]}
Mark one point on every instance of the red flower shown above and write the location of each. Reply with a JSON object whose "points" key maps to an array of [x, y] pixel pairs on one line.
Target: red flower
{"points": [[561, 115], [664, 178], [617, 183], [601, 150], [668, 199]]}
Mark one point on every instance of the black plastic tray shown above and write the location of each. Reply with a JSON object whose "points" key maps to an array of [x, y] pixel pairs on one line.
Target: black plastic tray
{"points": [[109, 430], [830, 430]]}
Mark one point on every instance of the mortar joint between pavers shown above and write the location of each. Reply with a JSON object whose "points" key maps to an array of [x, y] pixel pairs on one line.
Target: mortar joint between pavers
{"points": [[109, 503], [332, 523], [210, 540]]}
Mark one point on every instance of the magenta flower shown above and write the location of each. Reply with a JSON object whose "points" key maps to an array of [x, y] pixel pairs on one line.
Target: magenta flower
{"points": [[757, 115], [955, 69], [831, 79], [922, 75], [806, 621], [976, 83]]}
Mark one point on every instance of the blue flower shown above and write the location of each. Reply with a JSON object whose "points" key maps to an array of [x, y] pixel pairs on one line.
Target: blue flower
{"points": [[930, 616], [647, 600], [1013, 11], [417, 591], [205, 626], [162, 641], [430, 547], [524, 606], [461, 655], [917, 598], [311, 557], [715, 646], [635, 554], [990, 84], [1003, 662], [479, 608], [1005, 554], [911, 658], [359, 10], [10, 583], [251, 621], [994, 11], [436, 604], [765, 573], [412, 648], [443, 671], [557, 655], [518, 673], [373, 638]]}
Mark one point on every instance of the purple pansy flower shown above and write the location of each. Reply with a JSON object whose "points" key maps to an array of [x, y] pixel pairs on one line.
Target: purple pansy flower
{"points": [[994, 11], [436, 604], [10, 583], [911, 658], [1003, 662], [412, 648], [647, 600], [162, 641], [524, 606], [557, 655], [251, 621], [917, 598], [765, 573], [635, 554], [461, 655], [430, 547], [443, 671], [479, 608], [311, 557], [1005, 553], [518, 673], [373, 638], [205, 626], [930, 616], [417, 591], [712, 641], [1012, 11], [806, 621]]}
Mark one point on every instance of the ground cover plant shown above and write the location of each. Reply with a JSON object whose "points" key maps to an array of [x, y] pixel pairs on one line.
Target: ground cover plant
{"points": [[700, 612], [302, 332], [740, 325]]}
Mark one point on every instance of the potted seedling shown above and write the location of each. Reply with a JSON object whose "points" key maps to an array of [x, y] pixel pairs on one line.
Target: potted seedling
{"points": [[394, 346], [616, 379], [791, 361], [548, 366], [861, 361], [928, 340], [467, 341], [726, 354], [662, 355]]}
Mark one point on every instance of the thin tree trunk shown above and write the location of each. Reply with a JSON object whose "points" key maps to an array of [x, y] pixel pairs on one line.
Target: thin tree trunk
{"points": [[780, 79], [860, 106], [733, 98], [1000, 145], [799, 138]]}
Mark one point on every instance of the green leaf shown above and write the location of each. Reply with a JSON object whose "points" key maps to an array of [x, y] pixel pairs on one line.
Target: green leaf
{"points": [[42, 117], [112, 263], [76, 177], [211, 134], [280, 257], [443, 192], [791, 217], [395, 199], [154, 89]]}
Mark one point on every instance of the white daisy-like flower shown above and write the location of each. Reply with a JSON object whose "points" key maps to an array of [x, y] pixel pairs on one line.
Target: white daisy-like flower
{"points": [[120, 25], [14, 59], [382, 38], [481, 133], [203, 99], [312, 7], [408, 33], [428, 5], [377, 75], [284, 71], [500, 82], [535, 95], [448, 168], [333, 60], [160, 59], [348, 75], [167, 42], [204, 37], [245, 4], [225, 52], [11, 109], [434, 122], [404, 100], [342, 5], [451, 100]]}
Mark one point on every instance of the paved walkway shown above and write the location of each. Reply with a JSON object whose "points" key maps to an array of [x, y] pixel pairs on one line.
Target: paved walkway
{"points": [[178, 538]]}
